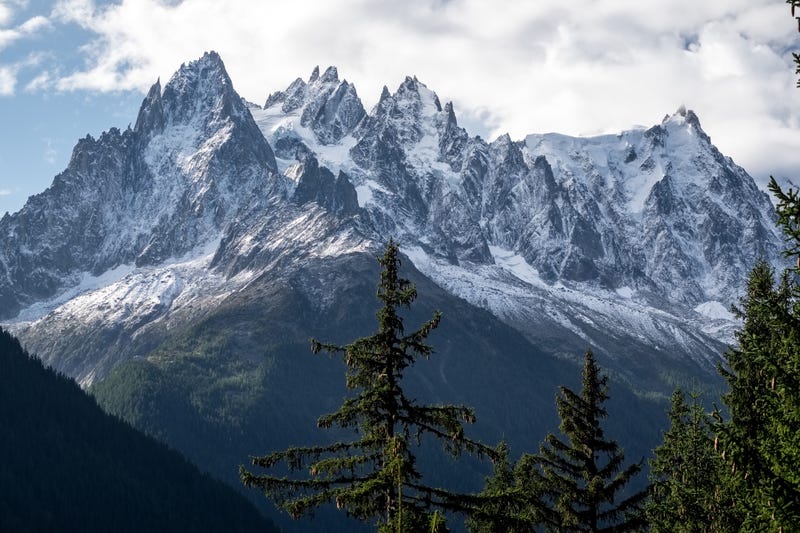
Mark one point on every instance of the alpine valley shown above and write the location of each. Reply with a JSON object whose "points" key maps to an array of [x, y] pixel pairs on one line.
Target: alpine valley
{"points": [[177, 269]]}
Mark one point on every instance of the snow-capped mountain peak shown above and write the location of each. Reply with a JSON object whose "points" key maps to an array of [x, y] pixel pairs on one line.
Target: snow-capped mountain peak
{"points": [[151, 114], [413, 111], [330, 108], [140, 196], [572, 234], [201, 89], [331, 75]]}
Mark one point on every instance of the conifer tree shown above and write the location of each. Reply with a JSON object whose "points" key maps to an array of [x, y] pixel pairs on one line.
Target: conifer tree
{"points": [[760, 441], [580, 478], [505, 506], [690, 486], [376, 477]]}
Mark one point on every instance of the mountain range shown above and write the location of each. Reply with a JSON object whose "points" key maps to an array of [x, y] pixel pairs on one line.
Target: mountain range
{"points": [[177, 268]]}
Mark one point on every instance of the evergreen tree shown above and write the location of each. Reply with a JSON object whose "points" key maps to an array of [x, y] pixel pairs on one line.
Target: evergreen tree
{"points": [[376, 477], [761, 440], [690, 486], [70, 467], [506, 506], [580, 478]]}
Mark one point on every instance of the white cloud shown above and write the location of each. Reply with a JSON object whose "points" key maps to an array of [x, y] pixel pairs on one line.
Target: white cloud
{"points": [[7, 8], [9, 74], [34, 25], [41, 81], [6, 14], [8, 80], [5, 192], [519, 66], [78, 11], [29, 28]]}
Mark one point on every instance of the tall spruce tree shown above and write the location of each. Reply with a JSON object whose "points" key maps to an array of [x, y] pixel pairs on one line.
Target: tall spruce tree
{"points": [[376, 477], [691, 489], [760, 441], [581, 478]]}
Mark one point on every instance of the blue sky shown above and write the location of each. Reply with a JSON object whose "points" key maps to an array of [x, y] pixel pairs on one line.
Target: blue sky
{"points": [[74, 67]]}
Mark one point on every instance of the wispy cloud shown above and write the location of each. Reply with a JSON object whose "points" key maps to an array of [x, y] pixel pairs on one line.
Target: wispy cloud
{"points": [[41, 81], [50, 152], [9, 74], [79, 11], [6, 14], [5, 192], [8, 80], [29, 28], [7, 8]]}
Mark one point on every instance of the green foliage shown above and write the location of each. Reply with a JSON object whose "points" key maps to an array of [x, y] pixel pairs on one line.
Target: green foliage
{"points": [[579, 479], [68, 466], [788, 211], [761, 440], [506, 506], [376, 475], [195, 369], [691, 487]]}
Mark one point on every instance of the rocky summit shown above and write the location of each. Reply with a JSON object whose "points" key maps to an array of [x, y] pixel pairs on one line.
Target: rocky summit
{"points": [[635, 244]]}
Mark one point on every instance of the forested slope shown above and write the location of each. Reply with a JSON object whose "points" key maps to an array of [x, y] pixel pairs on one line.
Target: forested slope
{"points": [[68, 466]]}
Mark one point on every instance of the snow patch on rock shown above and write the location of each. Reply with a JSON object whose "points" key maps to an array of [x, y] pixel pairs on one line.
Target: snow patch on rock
{"points": [[715, 310], [626, 292]]}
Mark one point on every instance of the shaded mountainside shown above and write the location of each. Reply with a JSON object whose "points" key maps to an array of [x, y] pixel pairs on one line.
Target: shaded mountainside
{"points": [[68, 466], [242, 380]]}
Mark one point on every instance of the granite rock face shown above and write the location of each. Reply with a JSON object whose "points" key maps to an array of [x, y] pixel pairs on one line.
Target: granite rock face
{"points": [[641, 239], [141, 196], [329, 107]]}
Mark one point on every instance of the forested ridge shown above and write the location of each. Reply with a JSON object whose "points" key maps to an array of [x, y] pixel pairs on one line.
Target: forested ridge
{"points": [[68, 466]]}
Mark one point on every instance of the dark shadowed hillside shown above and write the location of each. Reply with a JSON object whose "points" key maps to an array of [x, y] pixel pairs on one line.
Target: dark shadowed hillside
{"points": [[68, 466]]}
